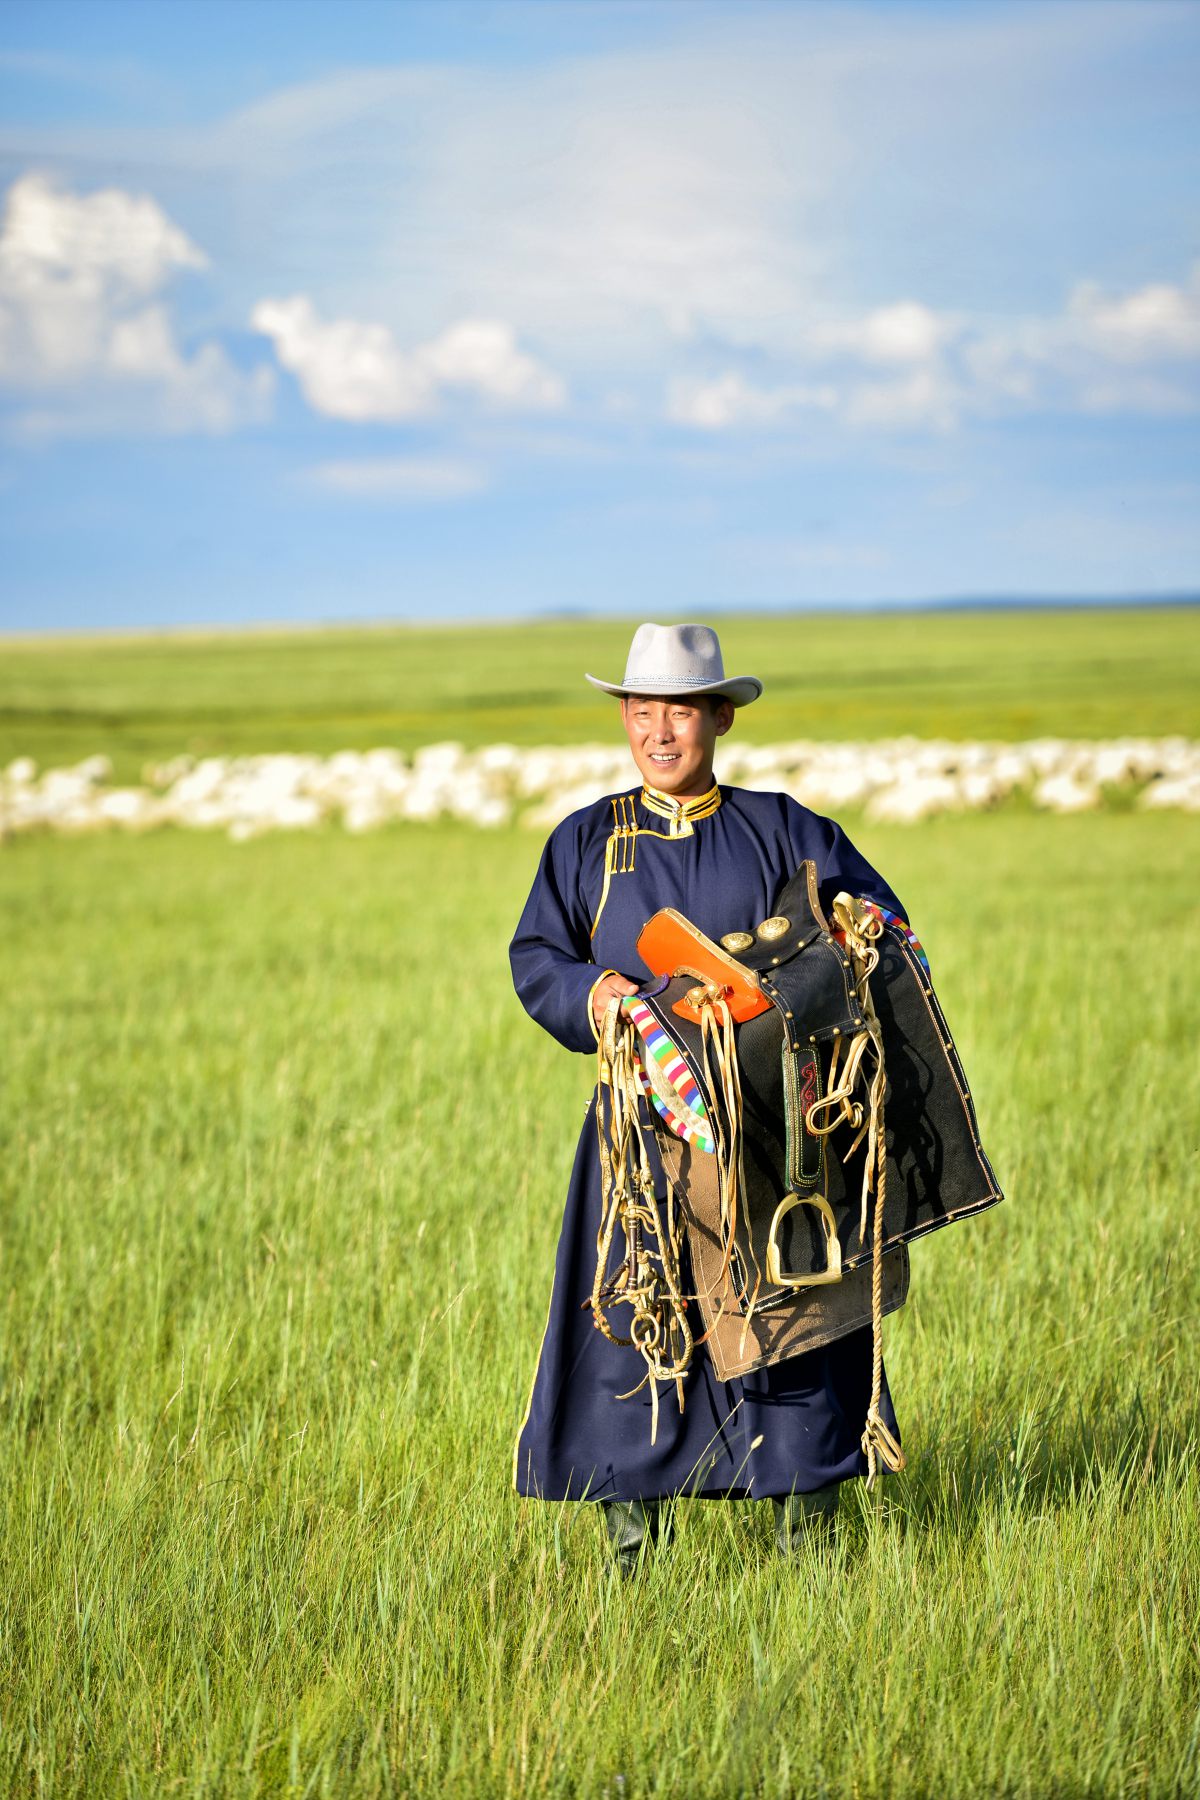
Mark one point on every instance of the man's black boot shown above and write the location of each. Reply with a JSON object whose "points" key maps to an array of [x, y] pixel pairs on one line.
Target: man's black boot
{"points": [[630, 1524], [805, 1521]]}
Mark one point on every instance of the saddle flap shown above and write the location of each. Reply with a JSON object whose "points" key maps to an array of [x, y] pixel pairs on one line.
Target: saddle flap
{"points": [[795, 923]]}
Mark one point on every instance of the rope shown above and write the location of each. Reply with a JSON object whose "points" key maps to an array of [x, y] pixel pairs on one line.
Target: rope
{"points": [[717, 1034], [862, 930], [648, 1279], [878, 1442]]}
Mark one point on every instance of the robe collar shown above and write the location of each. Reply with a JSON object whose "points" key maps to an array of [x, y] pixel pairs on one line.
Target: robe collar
{"points": [[682, 813]]}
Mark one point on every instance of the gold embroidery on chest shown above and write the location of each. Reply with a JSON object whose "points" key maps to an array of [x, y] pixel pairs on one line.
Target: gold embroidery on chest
{"points": [[620, 849]]}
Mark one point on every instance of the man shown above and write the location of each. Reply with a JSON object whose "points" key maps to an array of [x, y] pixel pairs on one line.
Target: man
{"points": [[719, 855]]}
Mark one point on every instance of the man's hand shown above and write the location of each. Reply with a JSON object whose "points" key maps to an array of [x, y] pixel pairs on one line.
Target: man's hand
{"points": [[608, 990]]}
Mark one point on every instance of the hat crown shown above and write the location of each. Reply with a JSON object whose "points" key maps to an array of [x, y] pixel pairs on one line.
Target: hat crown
{"points": [[682, 660], [665, 657]]}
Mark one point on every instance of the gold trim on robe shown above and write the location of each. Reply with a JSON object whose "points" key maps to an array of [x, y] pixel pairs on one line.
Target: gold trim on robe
{"points": [[620, 850]]}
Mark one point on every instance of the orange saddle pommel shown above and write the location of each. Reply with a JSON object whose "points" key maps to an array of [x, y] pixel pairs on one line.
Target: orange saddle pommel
{"points": [[669, 944]]}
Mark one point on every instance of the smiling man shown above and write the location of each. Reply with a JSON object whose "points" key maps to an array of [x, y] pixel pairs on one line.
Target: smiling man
{"points": [[721, 856]]}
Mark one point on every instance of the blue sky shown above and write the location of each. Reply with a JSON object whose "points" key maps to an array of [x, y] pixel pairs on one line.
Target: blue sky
{"points": [[315, 311]]}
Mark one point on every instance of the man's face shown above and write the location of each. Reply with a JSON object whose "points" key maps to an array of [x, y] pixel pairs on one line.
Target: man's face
{"points": [[673, 740]]}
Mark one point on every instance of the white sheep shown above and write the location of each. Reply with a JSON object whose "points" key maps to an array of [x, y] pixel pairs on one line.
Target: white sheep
{"points": [[901, 779]]}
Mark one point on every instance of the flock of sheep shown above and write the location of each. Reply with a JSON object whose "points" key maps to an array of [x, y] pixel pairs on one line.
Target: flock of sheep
{"points": [[899, 779]]}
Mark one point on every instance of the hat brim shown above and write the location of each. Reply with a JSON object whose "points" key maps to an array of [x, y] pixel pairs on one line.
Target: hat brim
{"points": [[739, 690]]}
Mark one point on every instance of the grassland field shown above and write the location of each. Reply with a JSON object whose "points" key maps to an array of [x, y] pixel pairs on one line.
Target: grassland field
{"points": [[1005, 674], [282, 1166]]}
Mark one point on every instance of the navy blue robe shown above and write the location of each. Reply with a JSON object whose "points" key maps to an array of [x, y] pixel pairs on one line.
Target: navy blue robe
{"points": [[793, 1427]]}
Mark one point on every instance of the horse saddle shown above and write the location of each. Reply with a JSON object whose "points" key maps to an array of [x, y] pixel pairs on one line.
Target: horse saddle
{"points": [[844, 1126]]}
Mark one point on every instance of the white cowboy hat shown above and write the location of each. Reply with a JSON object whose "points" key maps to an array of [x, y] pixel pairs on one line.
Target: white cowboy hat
{"points": [[680, 660]]}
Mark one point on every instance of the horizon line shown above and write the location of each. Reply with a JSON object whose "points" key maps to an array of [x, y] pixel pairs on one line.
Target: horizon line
{"points": [[578, 615]]}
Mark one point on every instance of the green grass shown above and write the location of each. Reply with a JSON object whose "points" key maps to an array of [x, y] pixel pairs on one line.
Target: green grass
{"points": [[281, 1179], [1010, 675]]}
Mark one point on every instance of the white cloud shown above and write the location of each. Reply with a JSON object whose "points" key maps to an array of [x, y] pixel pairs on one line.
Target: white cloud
{"points": [[1133, 352], [69, 265], [697, 208], [481, 355], [707, 184], [907, 336], [398, 478], [349, 369], [614, 200], [345, 369], [81, 317], [1100, 354], [905, 332], [731, 400], [1157, 322]]}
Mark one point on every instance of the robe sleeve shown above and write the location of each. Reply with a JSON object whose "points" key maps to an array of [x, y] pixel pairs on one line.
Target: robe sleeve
{"points": [[840, 864], [844, 866], [550, 954]]}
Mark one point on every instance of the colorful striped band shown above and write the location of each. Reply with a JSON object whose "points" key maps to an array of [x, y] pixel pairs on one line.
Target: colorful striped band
{"points": [[689, 1120]]}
